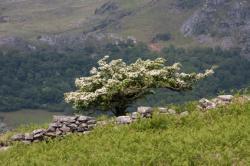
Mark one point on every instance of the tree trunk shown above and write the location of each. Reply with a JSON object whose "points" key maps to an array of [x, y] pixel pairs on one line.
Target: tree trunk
{"points": [[119, 111]]}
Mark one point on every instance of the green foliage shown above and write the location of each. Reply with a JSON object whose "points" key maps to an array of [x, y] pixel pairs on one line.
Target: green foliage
{"points": [[39, 79], [218, 137]]}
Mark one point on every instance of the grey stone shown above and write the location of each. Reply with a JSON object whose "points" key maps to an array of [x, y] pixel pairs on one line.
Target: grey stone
{"points": [[207, 104], [69, 119], [65, 129], [84, 118], [58, 132], [72, 126], [38, 133], [124, 120], [17, 137], [83, 125], [28, 136], [225, 97], [144, 110], [51, 129]]}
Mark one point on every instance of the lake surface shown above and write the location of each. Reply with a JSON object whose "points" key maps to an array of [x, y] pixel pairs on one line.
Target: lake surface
{"points": [[27, 116]]}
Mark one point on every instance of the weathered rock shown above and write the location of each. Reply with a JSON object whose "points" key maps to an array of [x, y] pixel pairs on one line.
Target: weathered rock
{"points": [[28, 136], [17, 137], [51, 129], [145, 112], [65, 129], [185, 113], [163, 110], [58, 132], [68, 119], [38, 133], [84, 118], [124, 120], [206, 104], [73, 126], [227, 98]]}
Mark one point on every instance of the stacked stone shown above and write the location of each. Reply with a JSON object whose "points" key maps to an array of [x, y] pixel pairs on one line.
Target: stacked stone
{"points": [[61, 125], [221, 100], [143, 112]]}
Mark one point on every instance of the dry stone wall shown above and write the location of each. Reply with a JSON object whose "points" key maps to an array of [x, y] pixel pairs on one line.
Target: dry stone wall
{"points": [[64, 125]]}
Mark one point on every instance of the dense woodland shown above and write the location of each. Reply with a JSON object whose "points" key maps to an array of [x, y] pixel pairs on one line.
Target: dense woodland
{"points": [[39, 79]]}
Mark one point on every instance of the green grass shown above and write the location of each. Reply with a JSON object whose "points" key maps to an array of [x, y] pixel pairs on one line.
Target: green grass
{"points": [[218, 137]]}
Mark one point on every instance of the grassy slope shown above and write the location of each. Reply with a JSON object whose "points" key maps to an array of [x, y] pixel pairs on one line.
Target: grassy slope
{"points": [[31, 18], [219, 137]]}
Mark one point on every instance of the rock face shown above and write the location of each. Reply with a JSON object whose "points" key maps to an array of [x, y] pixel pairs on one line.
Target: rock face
{"points": [[225, 19], [61, 125]]}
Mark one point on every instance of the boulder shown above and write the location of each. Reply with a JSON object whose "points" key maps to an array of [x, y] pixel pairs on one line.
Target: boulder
{"points": [[124, 120]]}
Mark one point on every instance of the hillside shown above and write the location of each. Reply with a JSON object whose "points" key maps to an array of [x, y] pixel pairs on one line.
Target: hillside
{"points": [[218, 137], [189, 23]]}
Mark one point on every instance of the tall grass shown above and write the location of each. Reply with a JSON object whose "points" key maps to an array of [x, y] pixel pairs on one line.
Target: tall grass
{"points": [[218, 137]]}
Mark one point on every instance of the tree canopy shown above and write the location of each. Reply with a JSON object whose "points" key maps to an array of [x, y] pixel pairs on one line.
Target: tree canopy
{"points": [[114, 85]]}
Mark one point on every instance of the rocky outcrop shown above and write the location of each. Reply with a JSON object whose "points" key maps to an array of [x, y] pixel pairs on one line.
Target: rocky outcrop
{"points": [[227, 21]]}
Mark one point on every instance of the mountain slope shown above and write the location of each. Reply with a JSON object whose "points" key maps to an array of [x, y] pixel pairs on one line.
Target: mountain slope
{"points": [[189, 23]]}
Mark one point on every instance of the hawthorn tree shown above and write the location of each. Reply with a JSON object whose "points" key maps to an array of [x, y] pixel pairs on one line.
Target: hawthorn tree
{"points": [[114, 85]]}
